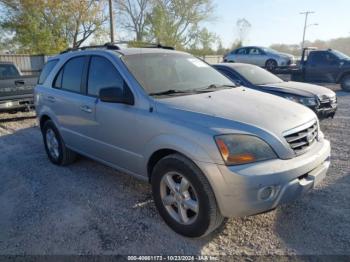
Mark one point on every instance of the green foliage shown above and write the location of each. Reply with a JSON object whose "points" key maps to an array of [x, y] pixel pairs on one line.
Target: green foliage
{"points": [[176, 22], [50, 26]]}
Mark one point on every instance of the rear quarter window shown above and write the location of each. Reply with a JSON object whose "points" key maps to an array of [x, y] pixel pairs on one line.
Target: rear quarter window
{"points": [[46, 71]]}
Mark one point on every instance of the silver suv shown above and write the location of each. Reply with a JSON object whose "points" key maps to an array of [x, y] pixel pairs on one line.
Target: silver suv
{"points": [[210, 149]]}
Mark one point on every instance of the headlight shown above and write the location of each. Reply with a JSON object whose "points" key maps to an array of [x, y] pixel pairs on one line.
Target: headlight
{"points": [[243, 149], [307, 101], [292, 98]]}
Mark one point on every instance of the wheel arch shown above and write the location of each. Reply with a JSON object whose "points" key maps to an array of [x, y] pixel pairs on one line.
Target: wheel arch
{"points": [[165, 145], [43, 119], [341, 76]]}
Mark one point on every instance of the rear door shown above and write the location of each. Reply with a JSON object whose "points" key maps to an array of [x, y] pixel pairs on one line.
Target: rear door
{"points": [[257, 56], [241, 55], [321, 66], [74, 110]]}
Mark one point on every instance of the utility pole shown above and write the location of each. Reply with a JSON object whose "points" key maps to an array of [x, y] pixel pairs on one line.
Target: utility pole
{"points": [[307, 13], [111, 20]]}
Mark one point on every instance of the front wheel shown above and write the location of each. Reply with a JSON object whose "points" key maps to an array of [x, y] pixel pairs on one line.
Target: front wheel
{"points": [[184, 198], [271, 65], [345, 83]]}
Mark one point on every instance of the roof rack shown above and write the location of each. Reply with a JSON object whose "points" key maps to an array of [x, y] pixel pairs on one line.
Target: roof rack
{"points": [[115, 46]]}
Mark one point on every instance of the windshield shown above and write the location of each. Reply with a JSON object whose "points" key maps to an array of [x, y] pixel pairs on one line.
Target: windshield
{"points": [[257, 75], [340, 55], [164, 72]]}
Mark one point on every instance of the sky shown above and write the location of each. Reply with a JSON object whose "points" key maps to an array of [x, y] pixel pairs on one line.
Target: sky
{"points": [[279, 21]]}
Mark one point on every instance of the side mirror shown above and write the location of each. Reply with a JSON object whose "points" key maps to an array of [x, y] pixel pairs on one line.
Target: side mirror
{"points": [[116, 95]]}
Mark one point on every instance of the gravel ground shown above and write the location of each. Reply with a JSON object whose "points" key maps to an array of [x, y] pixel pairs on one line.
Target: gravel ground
{"points": [[88, 208]]}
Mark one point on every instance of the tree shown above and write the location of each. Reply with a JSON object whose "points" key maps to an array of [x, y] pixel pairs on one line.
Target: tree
{"points": [[243, 27], [43, 26], [176, 22], [220, 49], [133, 16], [84, 18]]}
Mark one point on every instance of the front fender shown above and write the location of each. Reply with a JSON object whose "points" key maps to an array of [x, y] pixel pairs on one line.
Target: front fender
{"points": [[184, 146]]}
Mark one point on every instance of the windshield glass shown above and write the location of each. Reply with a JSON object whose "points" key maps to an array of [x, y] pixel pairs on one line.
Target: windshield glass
{"points": [[257, 75], [161, 72], [340, 55]]}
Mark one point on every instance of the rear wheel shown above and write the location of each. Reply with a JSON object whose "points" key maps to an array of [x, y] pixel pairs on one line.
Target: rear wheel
{"points": [[345, 83], [184, 198], [271, 65], [55, 148]]}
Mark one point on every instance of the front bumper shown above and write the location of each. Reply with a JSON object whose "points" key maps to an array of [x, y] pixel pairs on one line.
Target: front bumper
{"points": [[327, 112], [241, 190]]}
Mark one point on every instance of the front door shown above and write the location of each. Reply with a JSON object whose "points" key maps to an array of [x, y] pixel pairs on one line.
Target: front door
{"points": [[121, 128]]}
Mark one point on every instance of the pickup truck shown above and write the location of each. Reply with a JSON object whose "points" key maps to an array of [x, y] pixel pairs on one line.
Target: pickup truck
{"points": [[323, 66], [16, 90]]}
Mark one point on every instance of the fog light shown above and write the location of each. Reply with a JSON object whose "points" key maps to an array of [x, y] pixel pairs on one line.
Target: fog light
{"points": [[266, 193]]}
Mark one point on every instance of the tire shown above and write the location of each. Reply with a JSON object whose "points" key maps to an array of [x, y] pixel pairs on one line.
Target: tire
{"points": [[55, 148], [271, 65], [345, 83], [199, 193]]}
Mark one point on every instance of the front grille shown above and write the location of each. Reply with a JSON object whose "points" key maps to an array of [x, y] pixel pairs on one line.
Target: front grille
{"points": [[301, 141]]}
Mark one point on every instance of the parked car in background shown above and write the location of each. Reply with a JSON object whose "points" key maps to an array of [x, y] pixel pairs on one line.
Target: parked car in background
{"points": [[210, 149], [260, 56], [16, 90], [324, 66], [321, 100]]}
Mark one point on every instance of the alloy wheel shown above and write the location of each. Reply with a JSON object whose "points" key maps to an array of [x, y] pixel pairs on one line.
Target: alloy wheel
{"points": [[52, 143], [179, 198]]}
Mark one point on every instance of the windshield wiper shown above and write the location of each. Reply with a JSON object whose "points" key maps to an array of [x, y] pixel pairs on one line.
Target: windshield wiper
{"points": [[170, 92], [214, 87]]}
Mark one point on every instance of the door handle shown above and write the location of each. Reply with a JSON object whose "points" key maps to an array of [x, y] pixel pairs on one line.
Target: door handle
{"points": [[86, 109], [51, 99], [19, 82]]}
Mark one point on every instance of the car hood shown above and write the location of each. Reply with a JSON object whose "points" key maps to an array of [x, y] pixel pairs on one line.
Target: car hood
{"points": [[238, 108], [301, 89]]}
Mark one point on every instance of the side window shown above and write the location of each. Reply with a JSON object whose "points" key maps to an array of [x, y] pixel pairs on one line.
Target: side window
{"points": [[242, 51], [322, 58], [7, 70], [70, 76], [102, 74], [254, 51], [46, 71]]}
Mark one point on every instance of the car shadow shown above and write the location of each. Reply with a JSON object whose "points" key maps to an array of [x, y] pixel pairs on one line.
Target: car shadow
{"points": [[84, 208], [88, 208]]}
